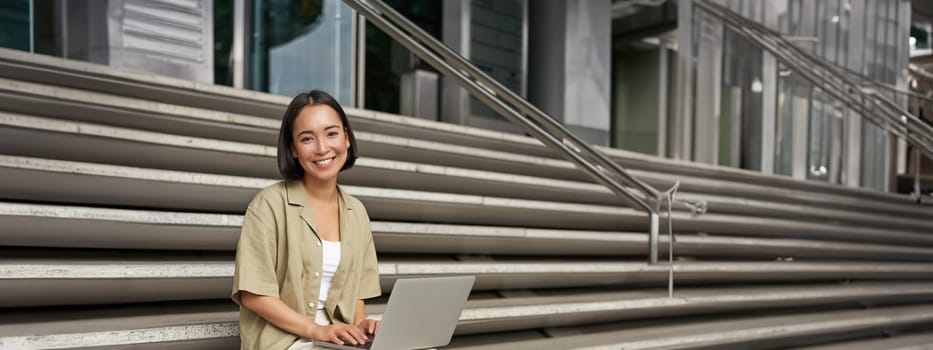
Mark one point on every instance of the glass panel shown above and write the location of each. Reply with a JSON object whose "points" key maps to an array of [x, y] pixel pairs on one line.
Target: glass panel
{"points": [[382, 75], [635, 96], [726, 119], [881, 28], [671, 102], [387, 60], [844, 34], [874, 147], [301, 45], [223, 42], [44, 34], [874, 139], [752, 101], [825, 138], [15, 24], [821, 26], [782, 10], [868, 33], [824, 157], [891, 41], [793, 17], [831, 35], [784, 122], [743, 77], [787, 22], [496, 46], [816, 161]]}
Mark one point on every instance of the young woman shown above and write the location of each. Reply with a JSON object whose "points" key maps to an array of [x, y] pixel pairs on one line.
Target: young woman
{"points": [[305, 260]]}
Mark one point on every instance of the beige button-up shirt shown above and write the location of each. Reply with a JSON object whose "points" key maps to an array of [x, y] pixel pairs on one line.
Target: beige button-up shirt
{"points": [[279, 254]]}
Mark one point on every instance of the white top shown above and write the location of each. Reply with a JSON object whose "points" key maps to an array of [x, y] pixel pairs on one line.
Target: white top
{"points": [[331, 261]]}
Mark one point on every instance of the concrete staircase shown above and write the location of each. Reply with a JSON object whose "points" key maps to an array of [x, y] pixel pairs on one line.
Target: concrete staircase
{"points": [[121, 197]]}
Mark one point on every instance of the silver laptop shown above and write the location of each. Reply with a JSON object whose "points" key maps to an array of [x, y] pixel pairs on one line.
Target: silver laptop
{"points": [[421, 313]]}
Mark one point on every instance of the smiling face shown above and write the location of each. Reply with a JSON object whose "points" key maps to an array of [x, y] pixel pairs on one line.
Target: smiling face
{"points": [[319, 143]]}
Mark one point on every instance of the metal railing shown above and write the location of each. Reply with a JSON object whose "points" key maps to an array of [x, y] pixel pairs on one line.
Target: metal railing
{"points": [[888, 95], [520, 112], [838, 82], [921, 103]]}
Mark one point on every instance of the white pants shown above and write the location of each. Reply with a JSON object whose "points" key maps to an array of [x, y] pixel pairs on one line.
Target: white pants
{"points": [[305, 344]]}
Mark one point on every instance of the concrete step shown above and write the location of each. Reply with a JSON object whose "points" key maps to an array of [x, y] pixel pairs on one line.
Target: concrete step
{"points": [[54, 280], [145, 116], [907, 341], [246, 159], [100, 79], [746, 226], [132, 113], [395, 174], [740, 205], [22, 135], [90, 77], [500, 273], [567, 309], [762, 332], [368, 172], [212, 124], [47, 180], [774, 192], [686, 169], [183, 191], [204, 325], [215, 321], [37, 179], [61, 226], [468, 239]]}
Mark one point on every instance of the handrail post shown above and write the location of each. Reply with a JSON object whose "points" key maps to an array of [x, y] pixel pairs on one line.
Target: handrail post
{"points": [[653, 238], [917, 175]]}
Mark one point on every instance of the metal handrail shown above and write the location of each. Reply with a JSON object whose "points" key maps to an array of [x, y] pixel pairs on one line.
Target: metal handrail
{"points": [[509, 96], [519, 111], [839, 84]]}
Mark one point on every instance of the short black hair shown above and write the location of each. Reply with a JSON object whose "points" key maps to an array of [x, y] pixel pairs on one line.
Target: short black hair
{"points": [[289, 167]]}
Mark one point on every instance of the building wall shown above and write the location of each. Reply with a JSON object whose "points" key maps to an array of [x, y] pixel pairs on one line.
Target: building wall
{"points": [[570, 64], [162, 38], [546, 52]]}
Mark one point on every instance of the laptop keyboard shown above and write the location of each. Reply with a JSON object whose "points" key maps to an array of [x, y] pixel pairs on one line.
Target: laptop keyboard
{"points": [[366, 345]]}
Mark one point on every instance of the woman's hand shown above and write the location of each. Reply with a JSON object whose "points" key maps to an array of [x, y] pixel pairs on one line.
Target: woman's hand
{"points": [[339, 334], [369, 326]]}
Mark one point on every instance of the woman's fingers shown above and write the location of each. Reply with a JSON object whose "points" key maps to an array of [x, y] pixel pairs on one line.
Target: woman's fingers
{"points": [[371, 326], [351, 334], [341, 333]]}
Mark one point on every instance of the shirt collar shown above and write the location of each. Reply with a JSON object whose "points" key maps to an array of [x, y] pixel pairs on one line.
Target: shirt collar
{"points": [[296, 195]]}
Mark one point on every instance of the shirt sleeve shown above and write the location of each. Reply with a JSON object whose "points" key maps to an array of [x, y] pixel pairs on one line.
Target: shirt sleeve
{"points": [[256, 254], [369, 276]]}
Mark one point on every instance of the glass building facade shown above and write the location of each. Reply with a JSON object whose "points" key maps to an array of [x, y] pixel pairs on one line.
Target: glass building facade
{"points": [[781, 123], [694, 90]]}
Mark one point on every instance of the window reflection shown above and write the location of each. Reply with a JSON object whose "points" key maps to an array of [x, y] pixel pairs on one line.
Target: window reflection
{"points": [[15, 24], [301, 45]]}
